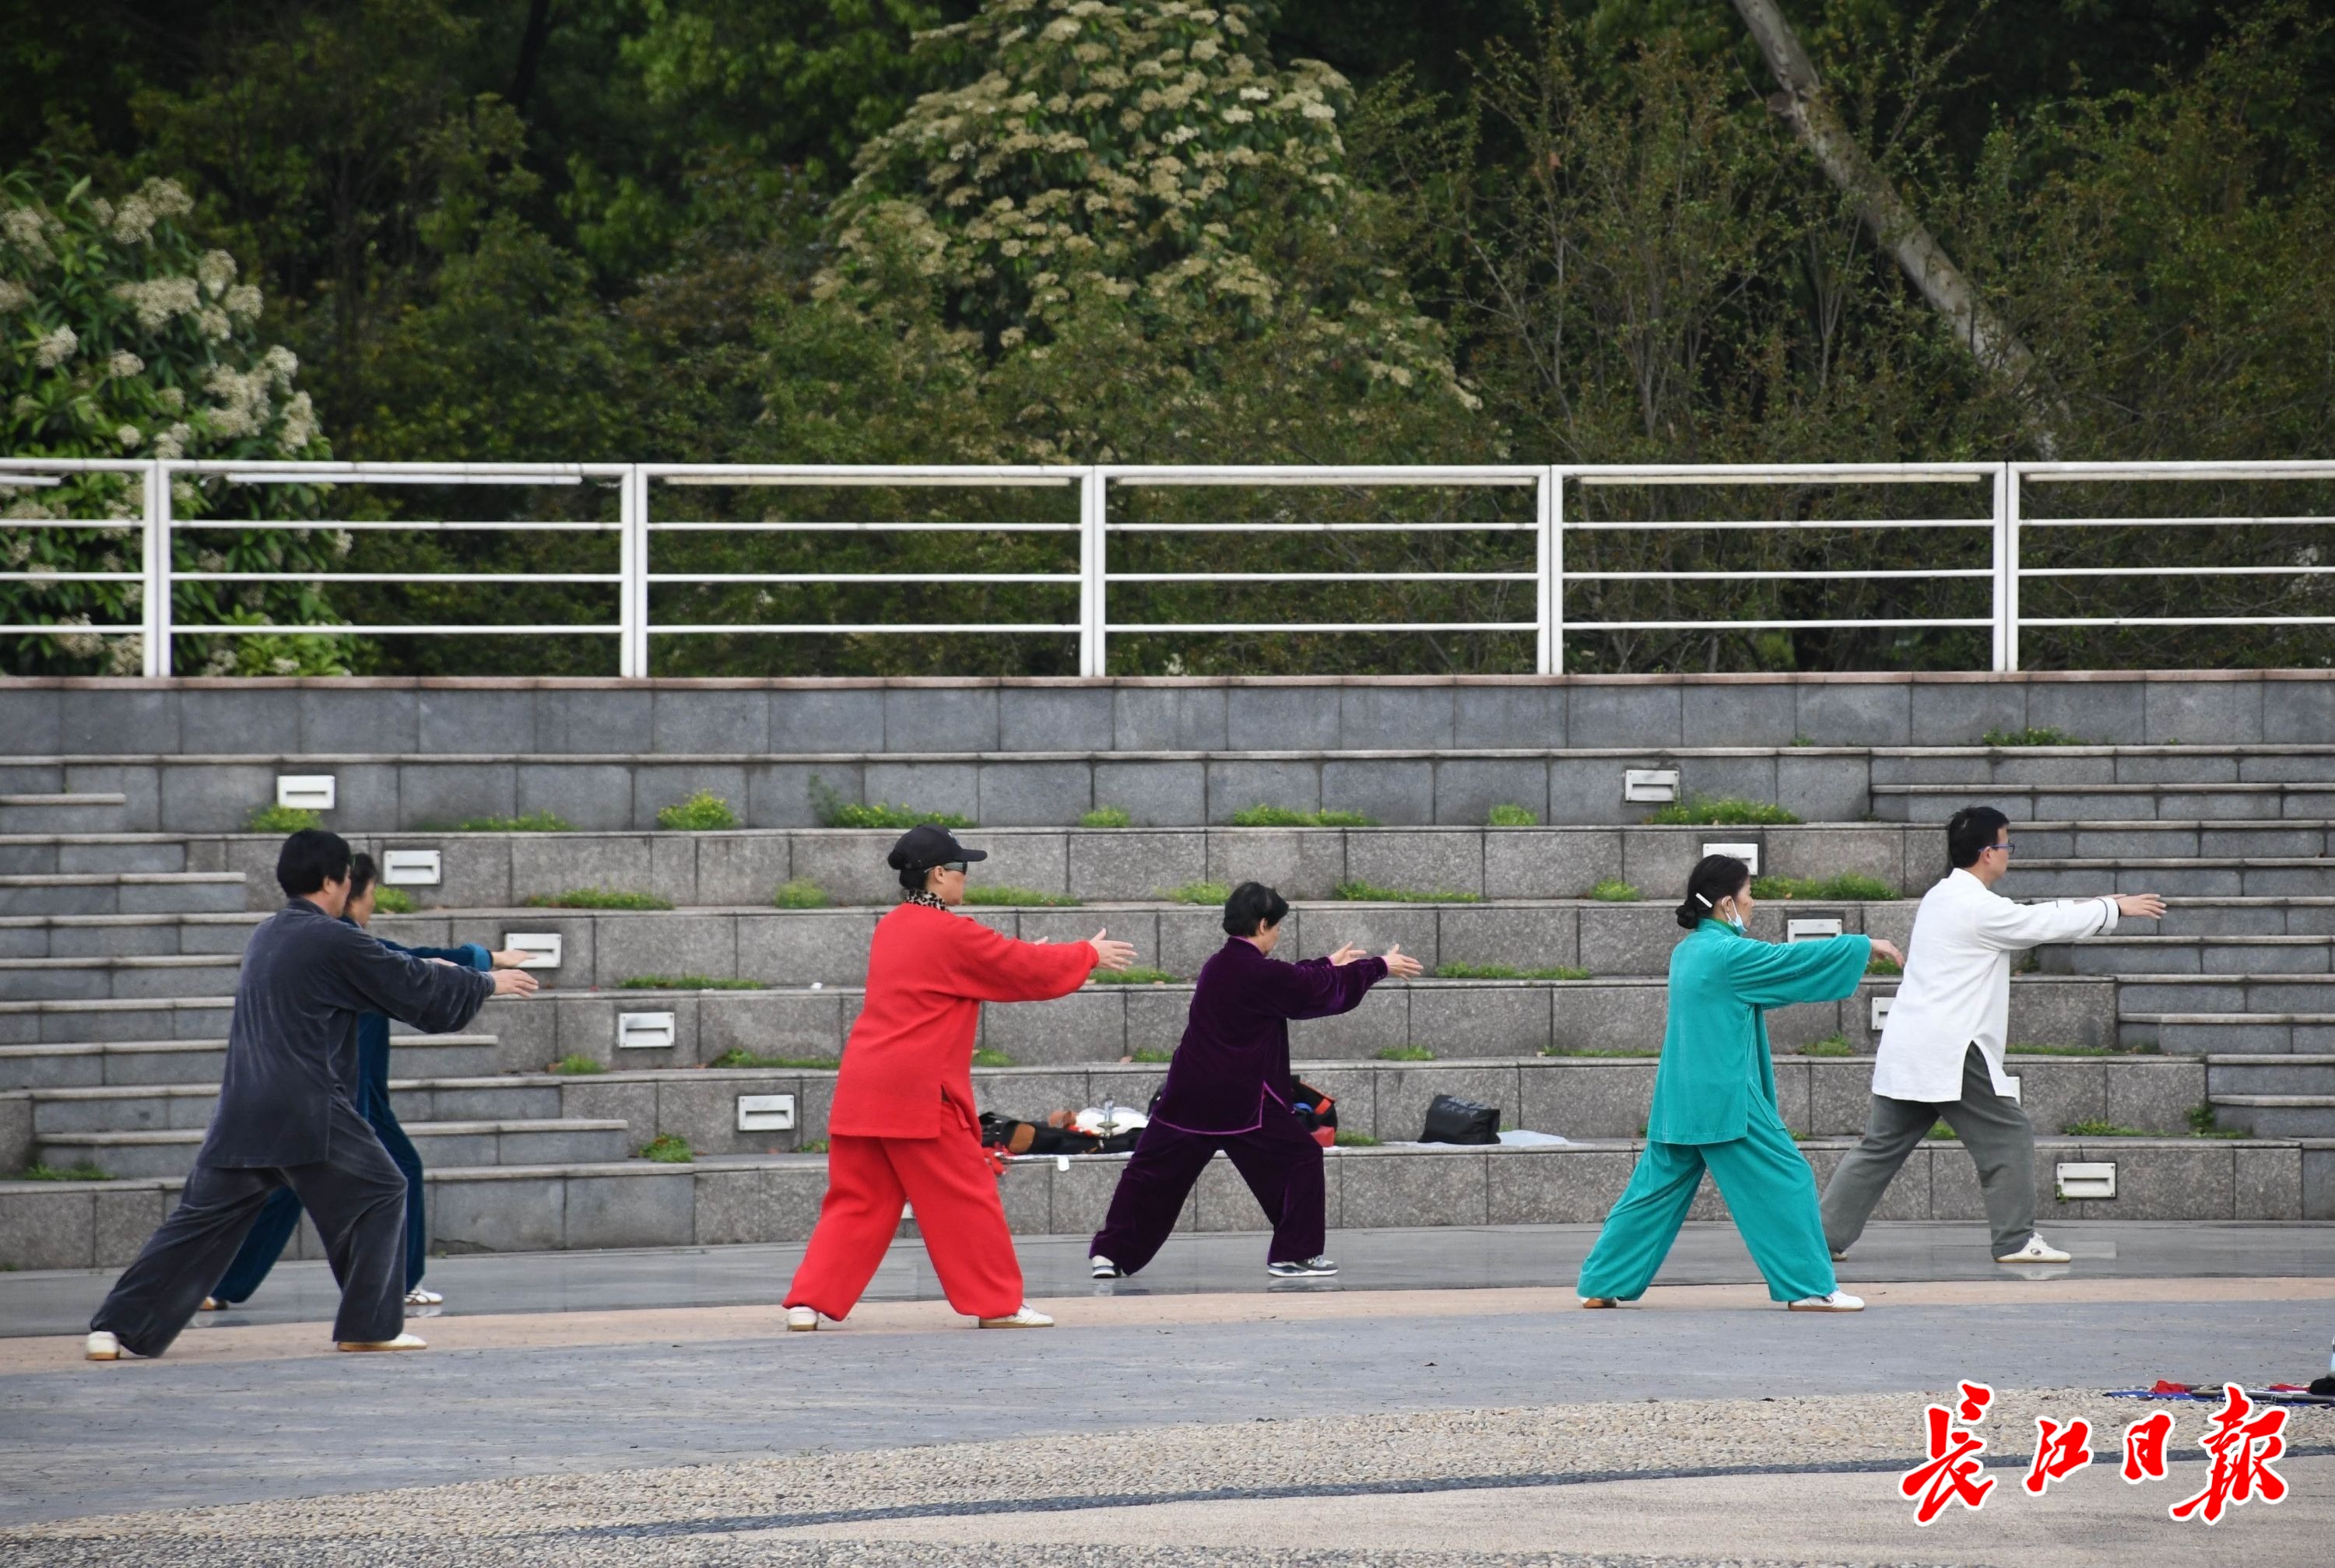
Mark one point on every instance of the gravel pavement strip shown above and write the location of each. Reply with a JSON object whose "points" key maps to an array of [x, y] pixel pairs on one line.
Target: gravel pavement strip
{"points": [[722, 1513]]}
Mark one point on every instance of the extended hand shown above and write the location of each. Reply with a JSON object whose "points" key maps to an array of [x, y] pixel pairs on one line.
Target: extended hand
{"points": [[2140, 905], [1890, 951], [514, 983], [1344, 955], [509, 957], [1401, 965], [1110, 954]]}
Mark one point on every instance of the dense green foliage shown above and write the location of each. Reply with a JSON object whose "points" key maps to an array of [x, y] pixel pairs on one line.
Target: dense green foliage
{"points": [[1065, 230]]}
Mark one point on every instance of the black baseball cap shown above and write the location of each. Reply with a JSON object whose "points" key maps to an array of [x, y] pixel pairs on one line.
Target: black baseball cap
{"points": [[923, 847]]}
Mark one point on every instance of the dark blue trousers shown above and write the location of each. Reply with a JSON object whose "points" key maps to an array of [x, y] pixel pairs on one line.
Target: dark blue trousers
{"points": [[280, 1216]]}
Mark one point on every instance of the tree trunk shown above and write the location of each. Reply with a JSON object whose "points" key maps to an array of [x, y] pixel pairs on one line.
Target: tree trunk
{"points": [[1802, 102], [530, 53]]}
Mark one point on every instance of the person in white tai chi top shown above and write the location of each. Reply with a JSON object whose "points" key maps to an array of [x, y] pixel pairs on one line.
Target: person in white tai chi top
{"points": [[1941, 1055]]}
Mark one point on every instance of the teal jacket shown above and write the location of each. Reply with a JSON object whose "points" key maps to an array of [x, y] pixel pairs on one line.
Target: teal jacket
{"points": [[1715, 1046]]}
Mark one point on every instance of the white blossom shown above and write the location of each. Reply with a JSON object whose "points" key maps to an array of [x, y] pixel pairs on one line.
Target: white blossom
{"points": [[56, 348], [217, 270], [158, 299], [124, 364], [128, 436], [14, 295], [243, 302], [213, 324]]}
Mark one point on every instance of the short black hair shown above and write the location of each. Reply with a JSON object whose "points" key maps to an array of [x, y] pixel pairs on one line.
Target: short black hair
{"points": [[310, 859], [1714, 877], [1252, 906], [362, 872], [1969, 832]]}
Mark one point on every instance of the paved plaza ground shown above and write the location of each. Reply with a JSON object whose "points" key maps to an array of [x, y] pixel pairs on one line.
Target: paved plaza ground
{"points": [[1443, 1401]]}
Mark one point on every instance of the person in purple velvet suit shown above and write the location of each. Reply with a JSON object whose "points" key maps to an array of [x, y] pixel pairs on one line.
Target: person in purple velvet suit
{"points": [[1229, 1087]]}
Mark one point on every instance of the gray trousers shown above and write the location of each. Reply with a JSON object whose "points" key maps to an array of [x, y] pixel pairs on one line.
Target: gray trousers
{"points": [[2000, 1140], [356, 1197]]}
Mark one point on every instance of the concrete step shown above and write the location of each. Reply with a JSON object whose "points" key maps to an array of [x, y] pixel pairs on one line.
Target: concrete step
{"points": [[94, 812], [2079, 800], [2280, 1034], [144, 1018], [2312, 1072], [170, 1152], [120, 1062], [52, 854], [2257, 994], [2299, 1116], [736, 1199], [122, 893], [2210, 877], [2207, 956], [119, 979]]}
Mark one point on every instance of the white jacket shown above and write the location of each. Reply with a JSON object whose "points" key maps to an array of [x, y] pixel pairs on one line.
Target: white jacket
{"points": [[1957, 986]]}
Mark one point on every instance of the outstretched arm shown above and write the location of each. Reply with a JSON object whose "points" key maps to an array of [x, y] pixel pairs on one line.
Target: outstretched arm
{"points": [[988, 967], [434, 997], [2010, 927], [1775, 973], [1320, 987]]}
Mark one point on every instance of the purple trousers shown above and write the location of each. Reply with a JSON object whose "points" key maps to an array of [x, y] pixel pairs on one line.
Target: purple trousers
{"points": [[1280, 1161]]}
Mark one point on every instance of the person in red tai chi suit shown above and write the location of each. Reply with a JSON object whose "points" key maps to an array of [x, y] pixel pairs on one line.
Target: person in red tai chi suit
{"points": [[903, 1128]]}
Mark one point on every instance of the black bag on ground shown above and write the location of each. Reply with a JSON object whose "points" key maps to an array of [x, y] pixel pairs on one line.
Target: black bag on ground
{"points": [[1450, 1119]]}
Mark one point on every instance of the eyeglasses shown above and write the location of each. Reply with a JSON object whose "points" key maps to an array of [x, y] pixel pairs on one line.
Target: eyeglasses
{"points": [[2004, 848], [956, 866]]}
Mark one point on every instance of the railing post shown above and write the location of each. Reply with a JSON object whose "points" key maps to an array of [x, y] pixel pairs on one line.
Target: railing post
{"points": [[1550, 570], [631, 569], [157, 570], [2006, 569], [1094, 656]]}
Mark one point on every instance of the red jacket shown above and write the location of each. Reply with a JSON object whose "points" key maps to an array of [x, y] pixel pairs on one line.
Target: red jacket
{"points": [[928, 972]]}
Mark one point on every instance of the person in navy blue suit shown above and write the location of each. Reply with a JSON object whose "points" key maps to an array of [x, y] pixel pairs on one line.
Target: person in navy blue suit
{"points": [[281, 1214]]}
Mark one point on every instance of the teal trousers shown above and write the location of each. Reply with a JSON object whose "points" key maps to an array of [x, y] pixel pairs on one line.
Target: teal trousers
{"points": [[1766, 1185]]}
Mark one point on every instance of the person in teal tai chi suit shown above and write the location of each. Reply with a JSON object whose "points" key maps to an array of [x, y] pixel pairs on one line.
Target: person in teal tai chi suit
{"points": [[1715, 1103]]}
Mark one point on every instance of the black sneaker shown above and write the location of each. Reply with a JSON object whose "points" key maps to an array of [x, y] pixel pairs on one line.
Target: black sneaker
{"points": [[1104, 1269], [1311, 1268]]}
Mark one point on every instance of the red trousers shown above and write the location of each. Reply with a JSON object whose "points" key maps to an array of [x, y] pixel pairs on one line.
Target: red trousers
{"points": [[958, 1212]]}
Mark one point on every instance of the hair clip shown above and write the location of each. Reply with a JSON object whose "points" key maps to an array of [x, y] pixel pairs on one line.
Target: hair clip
{"points": [[1706, 903]]}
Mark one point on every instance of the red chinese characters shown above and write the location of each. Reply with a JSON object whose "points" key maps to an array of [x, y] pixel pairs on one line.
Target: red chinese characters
{"points": [[1951, 1472], [2241, 1444], [2060, 1452], [2144, 1447]]}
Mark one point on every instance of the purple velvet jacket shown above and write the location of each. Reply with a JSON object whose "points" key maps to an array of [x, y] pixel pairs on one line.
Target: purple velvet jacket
{"points": [[1234, 1059]]}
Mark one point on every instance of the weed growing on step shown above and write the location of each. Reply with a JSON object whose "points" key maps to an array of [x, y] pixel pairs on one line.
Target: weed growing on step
{"points": [[816, 1146], [1944, 1133], [1150, 1055], [1507, 972], [1367, 892], [1877, 964], [1726, 811], [526, 822], [1613, 890], [688, 983], [1025, 896], [1105, 817], [1135, 975], [578, 1065], [1198, 892], [1852, 886], [1506, 815], [734, 1056], [987, 1058], [703, 812], [1356, 1140], [801, 893], [71, 1173], [281, 819], [2030, 736], [392, 901], [834, 811], [2203, 1122], [668, 1148], [2089, 1127], [598, 898], [1287, 816], [1405, 1053], [1830, 1045]]}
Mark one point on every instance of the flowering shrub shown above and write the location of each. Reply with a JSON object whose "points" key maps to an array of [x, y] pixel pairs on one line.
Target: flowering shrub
{"points": [[125, 338]]}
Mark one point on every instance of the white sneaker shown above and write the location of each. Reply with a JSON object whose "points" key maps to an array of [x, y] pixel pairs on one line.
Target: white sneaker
{"points": [[1025, 1317], [212, 1304], [101, 1346], [2036, 1251], [403, 1342], [1840, 1257], [1312, 1268], [801, 1320], [1839, 1302], [1102, 1268], [423, 1296], [1599, 1302]]}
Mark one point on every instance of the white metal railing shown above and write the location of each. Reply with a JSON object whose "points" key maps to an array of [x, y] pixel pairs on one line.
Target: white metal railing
{"points": [[652, 502]]}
